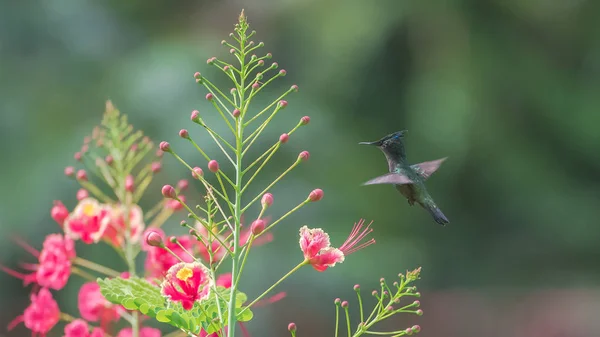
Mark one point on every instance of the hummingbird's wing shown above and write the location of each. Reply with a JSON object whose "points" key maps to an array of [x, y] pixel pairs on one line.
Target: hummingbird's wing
{"points": [[427, 168], [390, 178]]}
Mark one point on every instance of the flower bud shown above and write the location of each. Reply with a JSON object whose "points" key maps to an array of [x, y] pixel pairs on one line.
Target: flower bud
{"points": [[129, 183], [374, 293], [182, 184], [356, 287], [282, 72], [267, 200], [213, 166], [415, 328], [345, 304], [389, 308], [77, 156], [223, 42], [258, 226], [294, 88], [408, 331], [197, 75], [165, 146], [261, 63], [316, 195], [419, 312], [69, 171], [269, 55], [155, 167], [133, 148], [304, 120], [284, 138], [236, 113], [209, 96], [109, 160], [381, 280], [183, 133], [173, 239], [175, 204], [197, 172], [292, 327], [304, 155], [82, 175], [255, 85], [59, 212], [84, 148], [154, 239], [195, 117], [168, 192], [211, 60], [81, 194], [226, 68], [417, 303], [283, 104], [232, 90], [337, 301], [231, 51], [274, 65]]}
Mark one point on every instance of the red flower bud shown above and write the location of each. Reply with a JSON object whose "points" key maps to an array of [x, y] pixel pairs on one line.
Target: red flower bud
{"points": [[129, 183], [183, 133], [109, 159], [209, 96], [304, 155], [236, 113], [356, 287], [283, 104], [258, 226], [69, 171], [168, 192], [292, 327], [197, 172], [154, 239], [213, 166], [316, 195], [197, 75], [282, 72], [77, 156], [255, 85], [231, 51], [81, 194], [165, 146], [304, 120], [261, 63], [59, 212], [284, 138], [195, 117], [345, 304], [226, 68], [267, 200], [82, 175], [294, 88]]}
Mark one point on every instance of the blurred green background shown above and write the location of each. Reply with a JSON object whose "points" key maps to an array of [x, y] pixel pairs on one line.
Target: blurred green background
{"points": [[507, 89]]}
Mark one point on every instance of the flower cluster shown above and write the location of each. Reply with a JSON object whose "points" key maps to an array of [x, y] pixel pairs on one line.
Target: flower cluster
{"points": [[185, 282]]}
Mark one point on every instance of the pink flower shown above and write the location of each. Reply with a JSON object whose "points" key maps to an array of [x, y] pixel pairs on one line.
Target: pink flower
{"points": [[94, 307], [59, 212], [187, 283], [317, 249], [159, 260], [88, 221], [41, 315], [55, 262], [116, 230], [224, 281], [144, 332], [79, 328]]}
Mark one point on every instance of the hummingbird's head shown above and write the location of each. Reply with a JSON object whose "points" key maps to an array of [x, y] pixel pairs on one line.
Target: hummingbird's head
{"points": [[388, 141]]}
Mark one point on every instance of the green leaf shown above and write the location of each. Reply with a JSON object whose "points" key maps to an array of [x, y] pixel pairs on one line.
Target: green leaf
{"points": [[164, 316], [240, 299], [243, 315]]}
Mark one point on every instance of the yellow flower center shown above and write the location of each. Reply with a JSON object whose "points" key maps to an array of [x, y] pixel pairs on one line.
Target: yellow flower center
{"points": [[88, 210], [184, 273]]}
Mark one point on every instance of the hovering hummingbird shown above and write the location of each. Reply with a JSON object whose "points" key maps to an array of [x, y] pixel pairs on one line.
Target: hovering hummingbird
{"points": [[409, 179]]}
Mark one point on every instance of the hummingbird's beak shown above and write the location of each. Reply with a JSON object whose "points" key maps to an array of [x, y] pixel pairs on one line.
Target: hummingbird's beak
{"points": [[370, 143]]}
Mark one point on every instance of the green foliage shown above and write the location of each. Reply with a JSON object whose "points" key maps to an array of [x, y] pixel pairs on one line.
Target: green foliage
{"points": [[137, 294]]}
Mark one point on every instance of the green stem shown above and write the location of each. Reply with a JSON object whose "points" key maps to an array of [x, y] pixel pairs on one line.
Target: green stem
{"points": [[271, 184], [96, 267], [348, 322], [284, 216], [337, 319]]}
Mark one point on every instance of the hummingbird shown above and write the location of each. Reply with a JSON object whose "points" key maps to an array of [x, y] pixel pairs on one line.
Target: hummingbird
{"points": [[408, 179]]}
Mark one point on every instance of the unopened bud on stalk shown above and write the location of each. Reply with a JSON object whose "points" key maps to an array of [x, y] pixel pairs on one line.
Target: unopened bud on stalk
{"points": [[165, 146], [195, 116], [304, 120], [183, 133], [258, 226], [284, 138], [168, 192], [304, 155], [236, 113], [69, 171], [213, 166], [154, 239], [197, 172], [77, 156], [316, 195], [209, 96], [129, 183], [109, 160], [82, 175], [267, 200], [82, 194], [292, 327]]}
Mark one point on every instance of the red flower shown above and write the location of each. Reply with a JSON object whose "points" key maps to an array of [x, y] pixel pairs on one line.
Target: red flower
{"points": [[59, 212], [41, 315], [144, 332], [159, 260], [88, 221], [187, 283], [317, 249], [94, 307], [55, 262], [117, 228], [79, 328]]}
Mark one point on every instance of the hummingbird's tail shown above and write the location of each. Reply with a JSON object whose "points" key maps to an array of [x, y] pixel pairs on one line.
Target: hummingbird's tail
{"points": [[436, 213]]}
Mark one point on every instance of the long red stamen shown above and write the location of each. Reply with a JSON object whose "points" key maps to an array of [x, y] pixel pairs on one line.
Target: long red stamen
{"points": [[356, 235], [26, 246], [244, 330], [18, 320], [13, 273], [275, 298]]}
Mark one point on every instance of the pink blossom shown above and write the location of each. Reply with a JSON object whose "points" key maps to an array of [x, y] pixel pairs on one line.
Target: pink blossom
{"points": [[88, 221], [94, 307], [80, 328], [159, 260], [144, 332], [55, 262], [224, 281], [41, 315], [59, 212], [116, 231], [187, 283], [317, 250]]}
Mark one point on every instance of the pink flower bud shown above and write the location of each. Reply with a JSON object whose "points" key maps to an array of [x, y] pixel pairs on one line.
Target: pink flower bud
{"points": [[255, 85], [258, 226], [223, 42], [226, 68], [209, 96], [85, 148], [82, 175], [59, 212], [304, 120], [197, 75], [87, 140], [197, 172], [109, 159], [267, 200], [316, 195], [156, 166], [269, 55], [337, 301], [408, 331], [282, 72], [416, 303], [232, 90], [236, 113], [154, 239], [374, 293], [81, 194], [294, 88], [292, 327], [134, 147], [211, 60], [231, 51], [195, 117], [389, 308], [69, 171], [129, 183], [381, 280], [168, 192], [183, 184], [213, 166], [345, 304], [304, 155], [261, 63], [77, 156], [274, 65], [416, 328], [165, 146], [356, 287], [183, 133], [419, 312], [284, 138], [283, 104]]}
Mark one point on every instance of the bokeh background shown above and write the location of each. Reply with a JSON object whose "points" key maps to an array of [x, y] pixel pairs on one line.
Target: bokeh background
{"points": [[507, 89]]}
